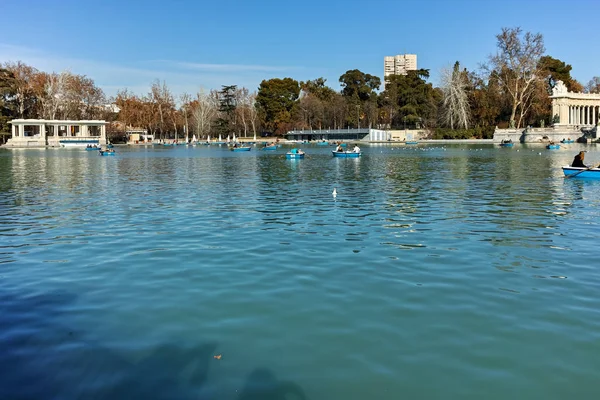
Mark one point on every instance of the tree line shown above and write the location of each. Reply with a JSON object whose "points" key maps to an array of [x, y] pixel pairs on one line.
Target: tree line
{"points": [[511, 89]]}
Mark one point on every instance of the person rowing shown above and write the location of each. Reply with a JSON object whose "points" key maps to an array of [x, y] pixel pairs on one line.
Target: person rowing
{"points": [[578, 160]]}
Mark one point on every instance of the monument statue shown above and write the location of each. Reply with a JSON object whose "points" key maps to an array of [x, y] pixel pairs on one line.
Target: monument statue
{"points": [[559, 88], [542, 123], [512, 124]]}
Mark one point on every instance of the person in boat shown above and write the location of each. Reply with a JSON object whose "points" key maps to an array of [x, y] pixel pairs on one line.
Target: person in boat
{"points": [[339, 149], [578, 160], [356, 149]]}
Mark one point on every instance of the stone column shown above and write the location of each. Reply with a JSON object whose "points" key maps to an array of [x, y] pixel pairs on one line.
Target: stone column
{"points": [[559, 111], [587, 115], [43, 132], [572, 116], [13, 130]]}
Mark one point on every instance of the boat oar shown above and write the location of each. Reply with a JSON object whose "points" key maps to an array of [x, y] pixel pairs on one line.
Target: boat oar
{"points": [[583, 170]]}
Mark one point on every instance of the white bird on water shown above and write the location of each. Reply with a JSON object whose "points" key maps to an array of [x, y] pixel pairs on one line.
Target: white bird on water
{"points": [[334, 193]]}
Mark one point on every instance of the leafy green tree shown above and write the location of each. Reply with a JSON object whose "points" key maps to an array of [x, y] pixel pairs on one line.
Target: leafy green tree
{"points": [[318, 89], [415, 99], [487, 100], [276, 100], [316, 105], [227, 106], [359, 90], [358, 85], [556, 70], [8, 94]]}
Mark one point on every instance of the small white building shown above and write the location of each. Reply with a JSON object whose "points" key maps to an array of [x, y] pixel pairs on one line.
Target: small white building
{"points": [[56, 133]]}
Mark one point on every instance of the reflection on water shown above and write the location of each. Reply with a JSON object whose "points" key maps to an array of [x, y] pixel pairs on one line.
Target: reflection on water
{"points": [[460, 265]]}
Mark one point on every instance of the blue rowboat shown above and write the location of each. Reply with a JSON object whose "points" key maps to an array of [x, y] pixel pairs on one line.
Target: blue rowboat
{"points": [[553, 146], [507, 144], [290, 155], [107, 153], [575, 172], [242, 148], [412, 142], [92, 148], [346, 154], [567, 141], [274, 147], [323, 143], [109, 146]]}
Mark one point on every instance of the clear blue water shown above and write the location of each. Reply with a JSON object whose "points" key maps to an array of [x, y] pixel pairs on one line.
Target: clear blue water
{"points": [[456, 271]]}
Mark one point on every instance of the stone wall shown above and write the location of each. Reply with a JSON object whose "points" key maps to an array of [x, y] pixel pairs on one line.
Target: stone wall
{"points": [[538, 135]]}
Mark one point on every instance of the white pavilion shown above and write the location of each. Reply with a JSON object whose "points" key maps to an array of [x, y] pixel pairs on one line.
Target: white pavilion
{"points": [[56, 133]]}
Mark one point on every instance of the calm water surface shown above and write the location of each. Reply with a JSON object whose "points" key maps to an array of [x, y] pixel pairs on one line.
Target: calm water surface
{"points": [[457, 271]]}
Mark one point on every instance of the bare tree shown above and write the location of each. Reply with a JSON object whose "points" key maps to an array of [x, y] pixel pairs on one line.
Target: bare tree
{"points": [[252, 111], [242, 100], [23, 77], [593, 86], [517, 66], [456, 102], [185, 104], [203, 112], [163, 99], [55, 94]]}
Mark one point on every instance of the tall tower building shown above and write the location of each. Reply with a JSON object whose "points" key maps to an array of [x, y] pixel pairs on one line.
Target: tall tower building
{"points": [[399, 65]]}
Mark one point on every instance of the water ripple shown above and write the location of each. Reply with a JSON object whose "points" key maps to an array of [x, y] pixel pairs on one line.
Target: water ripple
{"points": [[457, 265]]}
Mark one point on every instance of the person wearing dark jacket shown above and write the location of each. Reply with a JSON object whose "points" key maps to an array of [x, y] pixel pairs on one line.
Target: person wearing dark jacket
{"points": [[578, 160]]}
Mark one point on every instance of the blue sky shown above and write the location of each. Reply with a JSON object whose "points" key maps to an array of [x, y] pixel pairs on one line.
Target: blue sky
{"points": [[206, 44]]}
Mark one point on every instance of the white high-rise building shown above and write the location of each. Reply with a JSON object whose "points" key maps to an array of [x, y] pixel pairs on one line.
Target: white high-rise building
{"points": [[399, 65]]}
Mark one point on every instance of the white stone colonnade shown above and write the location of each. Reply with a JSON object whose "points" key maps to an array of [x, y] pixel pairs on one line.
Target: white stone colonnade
{"points": [[574, 109]]}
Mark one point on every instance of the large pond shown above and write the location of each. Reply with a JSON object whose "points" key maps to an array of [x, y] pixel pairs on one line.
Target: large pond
{"points": [[438, 271]]}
